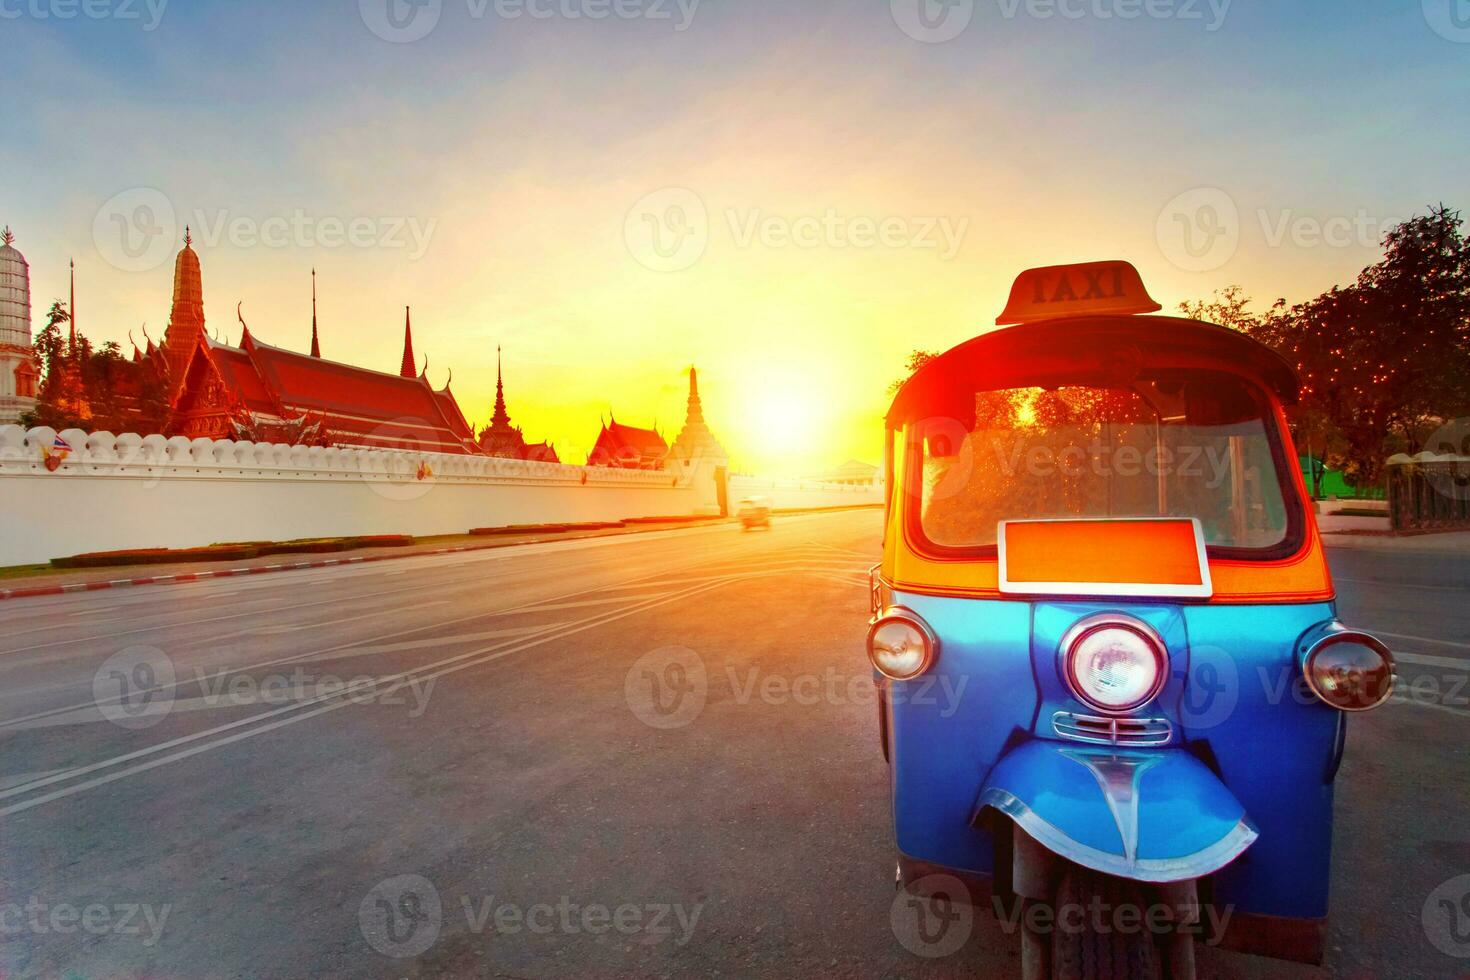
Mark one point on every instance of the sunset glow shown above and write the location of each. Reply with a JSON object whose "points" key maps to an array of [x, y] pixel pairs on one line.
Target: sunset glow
{"points": [[856, 194]]}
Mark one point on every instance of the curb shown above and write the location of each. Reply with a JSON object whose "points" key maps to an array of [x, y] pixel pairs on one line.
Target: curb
{"points": [[124, 583]]}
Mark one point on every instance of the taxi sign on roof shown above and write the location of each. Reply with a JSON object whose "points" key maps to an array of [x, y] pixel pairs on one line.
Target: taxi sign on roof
{"points": [[1077, 290]]}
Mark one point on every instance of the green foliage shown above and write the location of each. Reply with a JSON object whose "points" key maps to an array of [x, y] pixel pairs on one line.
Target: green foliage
{"points": [[1384, 360]]}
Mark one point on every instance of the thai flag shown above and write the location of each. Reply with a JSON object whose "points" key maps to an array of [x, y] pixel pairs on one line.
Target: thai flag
{"points": [[61, 445]]}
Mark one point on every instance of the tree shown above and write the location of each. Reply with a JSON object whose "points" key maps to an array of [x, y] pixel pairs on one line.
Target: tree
{"points": [[917, 359], [1384, 360]]}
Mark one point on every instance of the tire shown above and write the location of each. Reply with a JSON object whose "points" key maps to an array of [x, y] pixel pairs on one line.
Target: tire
{"points": [[1101, 954]]}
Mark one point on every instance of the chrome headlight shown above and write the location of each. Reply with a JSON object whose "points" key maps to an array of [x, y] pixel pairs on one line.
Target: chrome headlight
{"points": [[1114, 663], [1348, 670], [901, 645]]}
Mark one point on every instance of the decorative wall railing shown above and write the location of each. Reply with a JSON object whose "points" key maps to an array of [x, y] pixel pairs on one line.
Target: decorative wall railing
{"points": [[156, 456], [1429, 491]]}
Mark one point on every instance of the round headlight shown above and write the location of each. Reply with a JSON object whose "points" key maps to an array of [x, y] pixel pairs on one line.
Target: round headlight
{"points": [[900, 645], [1114, 665], [1350, 671]]}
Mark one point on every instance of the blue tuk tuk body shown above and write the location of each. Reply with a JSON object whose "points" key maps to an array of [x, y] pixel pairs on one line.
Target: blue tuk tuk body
{"points": [[1007, 772]]}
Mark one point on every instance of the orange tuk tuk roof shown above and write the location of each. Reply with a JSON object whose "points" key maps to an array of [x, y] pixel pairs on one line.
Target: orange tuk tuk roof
{"points": [[1079, 347]]}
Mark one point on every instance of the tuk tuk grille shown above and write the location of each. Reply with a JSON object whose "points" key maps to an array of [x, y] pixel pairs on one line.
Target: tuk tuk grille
{"points": [[1112, 731]]}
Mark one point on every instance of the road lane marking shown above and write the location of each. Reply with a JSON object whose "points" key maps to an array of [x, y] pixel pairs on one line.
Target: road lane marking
{"points": [[24, 777], [349, 645], [451, 665], [441, 668], [1422, 639], [354, 644], [1401, 585], [212, 619], [1449, 663], [82, 612]]}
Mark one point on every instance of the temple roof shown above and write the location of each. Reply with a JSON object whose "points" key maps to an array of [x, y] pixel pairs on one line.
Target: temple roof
{"points": [[359, 406], [641, 439]]}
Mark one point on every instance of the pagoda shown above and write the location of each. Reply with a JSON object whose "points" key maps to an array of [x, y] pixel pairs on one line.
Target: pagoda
{"points": [[696, 441], [505, 441], [186, 318], [18, 373]]}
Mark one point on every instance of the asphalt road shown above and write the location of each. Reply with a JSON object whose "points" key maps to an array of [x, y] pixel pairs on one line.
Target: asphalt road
{"points": [[648, 756]]}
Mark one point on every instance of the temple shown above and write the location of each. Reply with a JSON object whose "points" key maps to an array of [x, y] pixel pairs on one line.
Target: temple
{"points": [[503, 440], [628, 447], [262, 393], [696, 441], [19, 375], [198, 385]]}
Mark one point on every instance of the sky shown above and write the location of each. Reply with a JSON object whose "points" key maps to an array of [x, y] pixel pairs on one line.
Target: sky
{"points": [[790, 194]]}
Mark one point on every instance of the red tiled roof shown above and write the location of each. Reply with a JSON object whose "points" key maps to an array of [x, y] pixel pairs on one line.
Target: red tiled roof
{"points": [[358, 406], [646, 441]]}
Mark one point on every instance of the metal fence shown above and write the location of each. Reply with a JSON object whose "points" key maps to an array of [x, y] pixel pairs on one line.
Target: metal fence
{"points": [[1429, 492]]}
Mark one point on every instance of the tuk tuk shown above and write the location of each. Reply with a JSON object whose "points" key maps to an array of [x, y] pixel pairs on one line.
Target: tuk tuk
{"points": [[1098, 534]]}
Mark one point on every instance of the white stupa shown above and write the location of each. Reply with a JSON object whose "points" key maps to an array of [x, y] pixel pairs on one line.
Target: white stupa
{"points": [[18, 374]]}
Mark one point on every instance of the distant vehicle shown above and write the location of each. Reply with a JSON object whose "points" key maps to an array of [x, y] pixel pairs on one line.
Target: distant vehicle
{"points": [[1097, 533], [755, 512]]}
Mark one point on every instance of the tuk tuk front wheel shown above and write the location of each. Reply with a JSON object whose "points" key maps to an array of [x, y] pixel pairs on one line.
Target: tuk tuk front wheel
{"points": [[1092, 941]]}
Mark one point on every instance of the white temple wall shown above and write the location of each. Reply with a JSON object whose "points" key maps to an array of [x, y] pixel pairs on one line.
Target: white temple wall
{"points": [[123, 492], [802, 494]]}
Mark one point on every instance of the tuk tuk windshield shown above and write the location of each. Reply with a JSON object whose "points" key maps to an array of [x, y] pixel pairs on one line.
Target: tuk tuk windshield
{"points": [[1201, 446]]}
